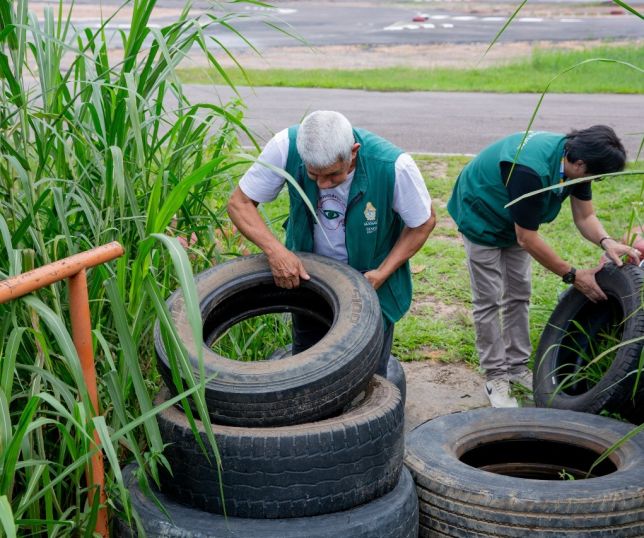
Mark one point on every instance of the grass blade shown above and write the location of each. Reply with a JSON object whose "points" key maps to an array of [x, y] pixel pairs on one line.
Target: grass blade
{"points": [[6, 517]]}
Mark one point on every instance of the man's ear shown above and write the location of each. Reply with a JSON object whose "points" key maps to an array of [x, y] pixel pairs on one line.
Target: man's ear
{"points": [[354, 150]]}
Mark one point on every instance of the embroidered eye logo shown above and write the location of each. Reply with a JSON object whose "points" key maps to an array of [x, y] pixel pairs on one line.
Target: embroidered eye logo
{"points": [[330, 214]]}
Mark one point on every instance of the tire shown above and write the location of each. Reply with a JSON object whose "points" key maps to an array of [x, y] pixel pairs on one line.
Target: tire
{"points": [[395, 515], [561, 349], [494, 473], [293, 471], [309, 386], [396, 375], [395, 372]]}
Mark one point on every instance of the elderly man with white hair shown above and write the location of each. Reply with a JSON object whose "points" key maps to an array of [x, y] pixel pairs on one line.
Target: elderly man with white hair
{"points": [[373, 212]]}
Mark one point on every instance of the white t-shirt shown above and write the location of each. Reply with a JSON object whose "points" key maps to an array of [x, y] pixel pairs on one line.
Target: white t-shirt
{"points": [[262, 184]]}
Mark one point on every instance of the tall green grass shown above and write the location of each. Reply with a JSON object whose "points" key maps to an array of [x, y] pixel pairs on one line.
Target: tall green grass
{"points": [[91, 151], [256, 338], [525, 76]]}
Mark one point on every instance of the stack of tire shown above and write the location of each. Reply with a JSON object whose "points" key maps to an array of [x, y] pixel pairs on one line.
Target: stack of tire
{"points": [[547, 472], [310, 445]]}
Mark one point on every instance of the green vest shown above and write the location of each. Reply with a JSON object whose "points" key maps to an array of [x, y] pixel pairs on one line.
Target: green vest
{"points": [[479, 196], [372, 227]]}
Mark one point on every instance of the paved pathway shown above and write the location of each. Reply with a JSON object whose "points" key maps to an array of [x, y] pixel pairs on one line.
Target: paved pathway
{"points": [[374, 22], [437, 122]]}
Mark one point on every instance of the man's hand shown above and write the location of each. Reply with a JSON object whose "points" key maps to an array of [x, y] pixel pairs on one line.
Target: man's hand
{"points": [[585, 282], [409, 242], [375, 278], [615, 251], [287, 268]]}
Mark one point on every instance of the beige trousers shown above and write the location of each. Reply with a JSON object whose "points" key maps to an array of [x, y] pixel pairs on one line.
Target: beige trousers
{"points": [[501, 287]]}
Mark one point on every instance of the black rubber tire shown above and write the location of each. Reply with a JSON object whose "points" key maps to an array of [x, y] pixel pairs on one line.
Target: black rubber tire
{"points": [[558, 351], [396, 375], [311, 385], [447, 457], [395, 372], [394, 515], [293, 471]]}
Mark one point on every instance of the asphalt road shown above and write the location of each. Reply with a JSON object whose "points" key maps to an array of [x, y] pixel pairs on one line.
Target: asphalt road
{"points": [[348, 23], [436, 122], [374, 22]]}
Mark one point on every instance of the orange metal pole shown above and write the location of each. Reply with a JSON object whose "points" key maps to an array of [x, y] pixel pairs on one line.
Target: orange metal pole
{"points": [[74, 268], [20, 285], [82, 335]]}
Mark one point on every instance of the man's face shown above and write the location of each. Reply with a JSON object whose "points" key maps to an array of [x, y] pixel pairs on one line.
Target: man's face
{"points": [[331, 176]]}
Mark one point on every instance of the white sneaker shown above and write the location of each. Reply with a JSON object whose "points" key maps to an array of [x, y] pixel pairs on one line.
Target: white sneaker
{"points": [[523, 378], [498, 391]]}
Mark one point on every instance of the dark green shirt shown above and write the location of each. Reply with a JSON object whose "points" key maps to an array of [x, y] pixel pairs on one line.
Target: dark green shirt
{"points": [[478, 200]]}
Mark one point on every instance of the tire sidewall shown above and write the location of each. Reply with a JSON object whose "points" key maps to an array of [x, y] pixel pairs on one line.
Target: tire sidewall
{"points": [[433, 452], [308, 386], [616, 385]]}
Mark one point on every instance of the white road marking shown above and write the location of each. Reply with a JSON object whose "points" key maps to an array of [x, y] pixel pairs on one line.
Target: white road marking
{"points": [[403, 25], [420, 26], [280, 10]]}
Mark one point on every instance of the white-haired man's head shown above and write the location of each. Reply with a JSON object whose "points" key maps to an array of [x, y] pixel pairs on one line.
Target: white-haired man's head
{"points": [[324, 137], [327, 147]]}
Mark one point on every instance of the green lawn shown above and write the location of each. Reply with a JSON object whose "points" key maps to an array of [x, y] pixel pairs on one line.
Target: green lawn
{"points": [[530, 75]]}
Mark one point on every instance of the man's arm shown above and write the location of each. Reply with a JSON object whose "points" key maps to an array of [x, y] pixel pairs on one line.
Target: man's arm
{"points": [[286, 267], [526, 224], [409, 242], [589, 226], [533, 243]]}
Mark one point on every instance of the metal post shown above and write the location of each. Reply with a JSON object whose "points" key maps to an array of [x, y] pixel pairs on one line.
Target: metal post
{"points": [[74, 268], [82, 336]]}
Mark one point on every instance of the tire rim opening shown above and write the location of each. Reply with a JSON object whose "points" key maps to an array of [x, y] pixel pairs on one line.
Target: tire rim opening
{"points": [[266, 337], [537, 459], [255, 323], [596, 328]]}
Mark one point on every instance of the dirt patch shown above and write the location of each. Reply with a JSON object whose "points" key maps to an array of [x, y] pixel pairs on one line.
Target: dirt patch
{"points": [[435, 169], [446, 222], [370, 56], [435, 389], [469, 55], [438, 308], [92, 12]]}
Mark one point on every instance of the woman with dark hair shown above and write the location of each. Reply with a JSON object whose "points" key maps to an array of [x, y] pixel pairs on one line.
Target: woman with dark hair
{"points": [[500, 242]]}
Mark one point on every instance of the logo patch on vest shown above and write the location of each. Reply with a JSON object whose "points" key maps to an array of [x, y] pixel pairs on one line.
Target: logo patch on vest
{"points": [[370, 223]]}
